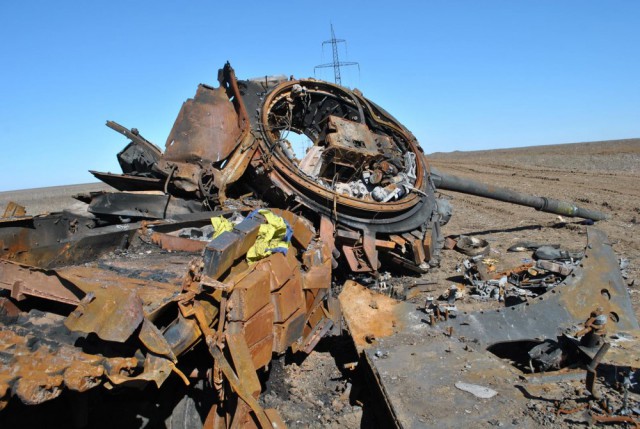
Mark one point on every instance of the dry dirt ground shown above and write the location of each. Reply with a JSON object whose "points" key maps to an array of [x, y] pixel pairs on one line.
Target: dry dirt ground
{"points": [[319, 392]]}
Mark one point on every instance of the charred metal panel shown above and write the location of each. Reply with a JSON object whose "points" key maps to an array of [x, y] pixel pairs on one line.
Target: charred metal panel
{"points": [[123, 182], [137, 160], [49, 241], [142, 206]]}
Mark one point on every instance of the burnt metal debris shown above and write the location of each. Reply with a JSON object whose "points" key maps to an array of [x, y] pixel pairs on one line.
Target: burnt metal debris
{"points": [[138, 293]]}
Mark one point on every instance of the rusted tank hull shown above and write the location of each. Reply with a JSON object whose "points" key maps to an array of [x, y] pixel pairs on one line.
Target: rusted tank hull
{"points": [[182, 282]]}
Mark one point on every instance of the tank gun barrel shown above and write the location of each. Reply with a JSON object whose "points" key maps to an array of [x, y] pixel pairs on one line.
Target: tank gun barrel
{"points": [[549, 205]]}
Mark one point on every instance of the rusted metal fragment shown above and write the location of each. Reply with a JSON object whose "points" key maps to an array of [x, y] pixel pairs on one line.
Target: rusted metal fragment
{"points": [[239, 388], [335, 311], [24, 280], [238, 162], [38, 360], [221, 253], [419, 255], [553, 377], [250, 295], [183, 333], [262, 351], [153, 294], [245, 420], [326, 236], [154, 341], [317, 261], [135, 137], [353, 138], [139, 156], [82, 376], [278, 265], [303, 230], [120, 366], [355, 258], [113, 316], [49, 241], [315, 311], [288, 299], [256, 328], [624, 348], [318, 331], [210, 128], [414, 367], [241, 357], [4, 391], [127, 371], [182, 178], [317, 276], [9, 312], [14, 210], [317, 254], [38, 387], [206, 128], [289, 331], [416, 372], [180, 244], [42, 371]]}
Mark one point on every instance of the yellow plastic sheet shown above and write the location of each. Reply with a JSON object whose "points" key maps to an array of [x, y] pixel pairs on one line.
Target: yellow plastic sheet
{"points": [[220, 225], [272, 235]]}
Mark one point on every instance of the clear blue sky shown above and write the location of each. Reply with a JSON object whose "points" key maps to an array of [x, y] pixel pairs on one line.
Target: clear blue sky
{"points": [[462, 75]]}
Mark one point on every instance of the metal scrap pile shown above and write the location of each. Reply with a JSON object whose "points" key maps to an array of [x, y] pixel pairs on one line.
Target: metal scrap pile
{"points": [[531, 279], [140, 314], [225, 249]]}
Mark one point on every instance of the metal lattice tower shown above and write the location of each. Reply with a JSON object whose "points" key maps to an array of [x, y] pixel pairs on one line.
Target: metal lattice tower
{"points": [[336, 64]]}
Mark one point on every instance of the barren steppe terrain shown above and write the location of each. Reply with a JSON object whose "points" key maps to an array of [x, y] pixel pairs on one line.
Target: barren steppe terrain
{"points": [[50, 199]]}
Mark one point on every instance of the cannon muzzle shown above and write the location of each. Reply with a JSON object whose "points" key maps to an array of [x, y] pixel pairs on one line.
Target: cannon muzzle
{"points": [[457, 184]]}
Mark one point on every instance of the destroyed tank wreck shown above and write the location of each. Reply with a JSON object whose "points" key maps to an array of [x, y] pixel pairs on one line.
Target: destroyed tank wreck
{"points": [[229, 246]]}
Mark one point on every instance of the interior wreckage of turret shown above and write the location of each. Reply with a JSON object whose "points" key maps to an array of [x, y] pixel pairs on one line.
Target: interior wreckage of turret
{"points": [[230, 247]]}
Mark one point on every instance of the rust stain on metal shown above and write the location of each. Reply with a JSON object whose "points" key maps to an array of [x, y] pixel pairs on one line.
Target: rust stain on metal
{"points": [[369, 315]]}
